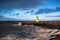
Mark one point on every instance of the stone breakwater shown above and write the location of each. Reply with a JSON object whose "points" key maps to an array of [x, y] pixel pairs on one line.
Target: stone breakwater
{"points": [[27, 33]]}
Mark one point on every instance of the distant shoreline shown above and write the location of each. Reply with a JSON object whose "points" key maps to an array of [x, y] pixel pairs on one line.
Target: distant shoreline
{"points": [[29, 21]]}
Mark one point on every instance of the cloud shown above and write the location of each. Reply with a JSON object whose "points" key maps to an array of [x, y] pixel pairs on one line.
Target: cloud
{"points": [[54, 16], [57, 8], [17, 14], [31, 11], [48, 10], [20, 3], [3, 18]]}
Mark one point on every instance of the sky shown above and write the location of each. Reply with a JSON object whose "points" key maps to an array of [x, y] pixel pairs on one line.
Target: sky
{"points": [[27, 10]]}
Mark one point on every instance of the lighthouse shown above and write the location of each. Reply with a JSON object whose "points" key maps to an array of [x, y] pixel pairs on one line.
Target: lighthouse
{"points": [[37, 19]]}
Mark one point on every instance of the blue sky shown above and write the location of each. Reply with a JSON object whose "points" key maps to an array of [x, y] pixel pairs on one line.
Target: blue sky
{"points": [[27, 10]]}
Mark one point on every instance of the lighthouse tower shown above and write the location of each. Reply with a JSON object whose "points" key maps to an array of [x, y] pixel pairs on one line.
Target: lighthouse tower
{"points": [[37, 19]]}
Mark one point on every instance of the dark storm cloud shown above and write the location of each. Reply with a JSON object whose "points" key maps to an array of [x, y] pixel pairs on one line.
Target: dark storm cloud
{"points": [[20, 3], [48, 10]]}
